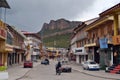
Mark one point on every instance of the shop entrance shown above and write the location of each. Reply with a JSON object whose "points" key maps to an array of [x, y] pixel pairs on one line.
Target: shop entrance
{"points": [[96, 55], [116, 55]]}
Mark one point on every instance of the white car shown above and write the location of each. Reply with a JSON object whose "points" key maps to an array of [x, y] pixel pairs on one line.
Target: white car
{"points": [[90, 65]]}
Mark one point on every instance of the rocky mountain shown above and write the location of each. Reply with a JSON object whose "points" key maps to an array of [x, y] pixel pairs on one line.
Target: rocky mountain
{"points": [[58, 27]]}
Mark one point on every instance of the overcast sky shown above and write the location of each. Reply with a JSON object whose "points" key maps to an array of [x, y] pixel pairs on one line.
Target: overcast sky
{"points": [[29, 15]]}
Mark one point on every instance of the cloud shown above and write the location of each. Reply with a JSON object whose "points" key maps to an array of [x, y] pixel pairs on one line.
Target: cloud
{"points": [[31, 14], [98, 7]]}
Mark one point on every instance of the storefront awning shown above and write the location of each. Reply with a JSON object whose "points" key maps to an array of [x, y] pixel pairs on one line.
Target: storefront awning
{"points": [[90, 45], [8, 48]]}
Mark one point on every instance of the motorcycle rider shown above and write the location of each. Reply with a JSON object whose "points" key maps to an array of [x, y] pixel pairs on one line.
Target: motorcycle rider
{"points": [[58, 66]]}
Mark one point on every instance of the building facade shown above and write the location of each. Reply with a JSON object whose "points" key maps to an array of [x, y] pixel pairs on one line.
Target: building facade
{"points": [[34, 41], [16, 56], [3, 37], [103, 37]]}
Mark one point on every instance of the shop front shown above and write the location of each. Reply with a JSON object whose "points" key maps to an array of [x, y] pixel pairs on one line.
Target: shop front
{"points": [[90, 50], [19, 55], [116, 49], [81, 54], [106, 53], [8, 51]]}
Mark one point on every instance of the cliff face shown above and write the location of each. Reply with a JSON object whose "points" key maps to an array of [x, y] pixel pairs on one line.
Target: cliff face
{"points": [[59, 31], [60, 26]]}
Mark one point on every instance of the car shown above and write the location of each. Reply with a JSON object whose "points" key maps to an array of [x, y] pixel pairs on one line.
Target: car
{"points": [[45, 61], [65, 66], [90, 65], [28, 64]]}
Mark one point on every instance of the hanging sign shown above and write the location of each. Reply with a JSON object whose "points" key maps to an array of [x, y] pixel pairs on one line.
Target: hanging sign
{"points": [[103, 43], [116, 40]]}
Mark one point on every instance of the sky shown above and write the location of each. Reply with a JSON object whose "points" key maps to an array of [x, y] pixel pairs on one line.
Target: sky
{"points": [[30, 15]]}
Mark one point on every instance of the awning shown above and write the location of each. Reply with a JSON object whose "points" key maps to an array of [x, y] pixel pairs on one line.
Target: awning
{"points": [[8, 48], [90, 45]]}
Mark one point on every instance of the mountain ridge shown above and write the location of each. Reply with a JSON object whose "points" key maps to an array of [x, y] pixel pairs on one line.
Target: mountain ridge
{"points": [[58, 27]]}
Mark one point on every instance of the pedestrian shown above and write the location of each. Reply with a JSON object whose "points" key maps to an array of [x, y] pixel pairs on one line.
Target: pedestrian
{"points": [[58, 68]]}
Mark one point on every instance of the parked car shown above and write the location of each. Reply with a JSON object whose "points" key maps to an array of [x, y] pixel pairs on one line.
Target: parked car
{"points": [[90, 65], [45, 61], [65, 66], [28, 64]]}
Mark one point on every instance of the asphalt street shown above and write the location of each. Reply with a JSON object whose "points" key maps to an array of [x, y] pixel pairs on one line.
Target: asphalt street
{"points": [[47, 72]]}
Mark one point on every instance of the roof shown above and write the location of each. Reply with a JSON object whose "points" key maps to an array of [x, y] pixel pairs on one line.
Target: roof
{"points": [[98, 22], [84, 24], [30, 33], [3, 3], [111, 10], [90, 21], [19, 32]]}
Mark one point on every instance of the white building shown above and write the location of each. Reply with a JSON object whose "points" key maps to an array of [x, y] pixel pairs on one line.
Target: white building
{"points": [[34, 41]]}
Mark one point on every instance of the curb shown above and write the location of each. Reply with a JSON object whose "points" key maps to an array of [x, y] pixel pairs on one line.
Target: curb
{"points": [[26, 73], [95, 75]]}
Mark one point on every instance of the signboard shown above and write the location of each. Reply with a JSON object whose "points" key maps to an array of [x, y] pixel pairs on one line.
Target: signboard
{"points": [[79, 51], [3, 33], [103, 43], [116, 40]]}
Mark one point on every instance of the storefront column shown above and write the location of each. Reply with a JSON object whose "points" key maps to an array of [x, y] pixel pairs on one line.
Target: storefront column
{"points": [[116, 23], [20, 57], [111, 58], [2, 58], [77, 58], [5, 59], [84, 57]]}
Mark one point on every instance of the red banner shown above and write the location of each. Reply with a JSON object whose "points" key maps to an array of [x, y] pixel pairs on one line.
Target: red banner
{"points": [[3, 33]]}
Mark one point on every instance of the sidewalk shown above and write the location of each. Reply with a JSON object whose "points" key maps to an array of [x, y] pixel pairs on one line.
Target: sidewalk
{"points": [[100, 73], [18, 71]]}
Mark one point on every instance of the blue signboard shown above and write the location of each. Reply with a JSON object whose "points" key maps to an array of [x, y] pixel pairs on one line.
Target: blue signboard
{"points": [[103, 43]]}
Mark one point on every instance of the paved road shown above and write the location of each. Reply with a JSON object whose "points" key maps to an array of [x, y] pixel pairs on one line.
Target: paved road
{"points": [[47, 72]]}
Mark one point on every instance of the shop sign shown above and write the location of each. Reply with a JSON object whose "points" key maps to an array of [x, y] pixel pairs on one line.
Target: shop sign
{"points": [[79, 51], [116, 40], [3, 33], [103, 43]]}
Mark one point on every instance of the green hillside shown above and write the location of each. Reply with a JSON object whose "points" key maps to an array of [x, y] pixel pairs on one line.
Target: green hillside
{"points": [[59, 41]]}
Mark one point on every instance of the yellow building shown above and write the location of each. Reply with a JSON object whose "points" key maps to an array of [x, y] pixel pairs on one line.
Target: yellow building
{"points": [[3, 35], [102, 30]]}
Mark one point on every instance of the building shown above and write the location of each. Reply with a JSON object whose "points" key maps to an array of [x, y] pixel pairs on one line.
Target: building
{"points": [[79, 40], [3, 36], [103, 37], [16, 40], [34, 42]]}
